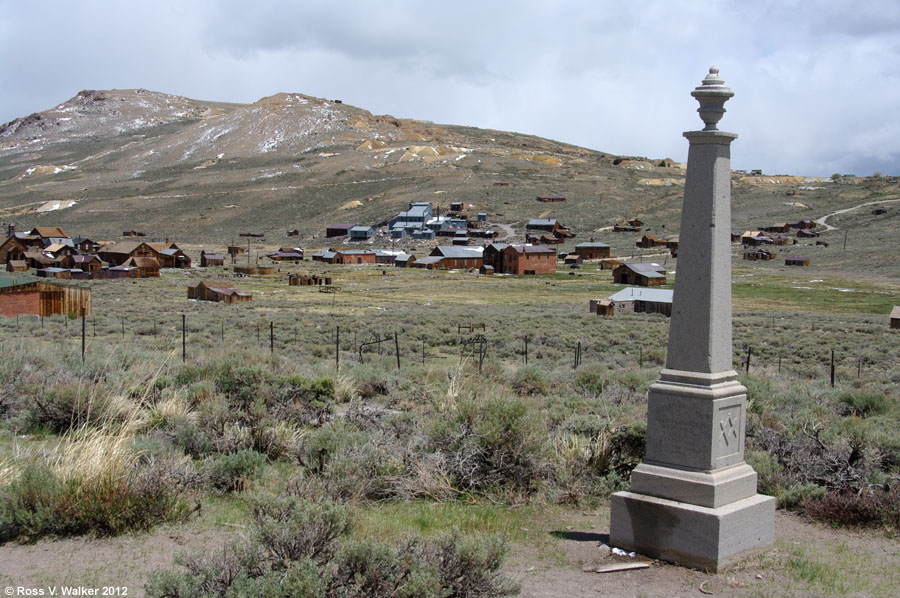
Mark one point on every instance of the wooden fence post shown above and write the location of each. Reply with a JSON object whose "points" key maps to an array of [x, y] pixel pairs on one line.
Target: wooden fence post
{"points": [[832, 368], [397, 349], [83, 331], [183, 338]]}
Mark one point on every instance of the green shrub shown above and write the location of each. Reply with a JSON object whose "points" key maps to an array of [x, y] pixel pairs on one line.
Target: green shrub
{"points": [[298, 548], [530, 380], [66, 406], [589, 381], [28, 505], [37, 503], [863, 404], [491, 445], [235, 472], [295, 529]]}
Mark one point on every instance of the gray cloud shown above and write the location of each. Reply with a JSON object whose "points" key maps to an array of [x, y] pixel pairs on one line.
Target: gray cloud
{"points": [[816, 82]]}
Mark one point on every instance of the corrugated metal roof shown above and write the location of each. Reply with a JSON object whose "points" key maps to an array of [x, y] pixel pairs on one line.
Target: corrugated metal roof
{"points": [[644, 268], [432, 259], [895, 313], [643, 294], [542, 222], [591, 245], [458, 251]]}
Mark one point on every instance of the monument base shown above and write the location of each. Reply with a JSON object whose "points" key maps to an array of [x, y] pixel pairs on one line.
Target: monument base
{"points": [[690, 535]]}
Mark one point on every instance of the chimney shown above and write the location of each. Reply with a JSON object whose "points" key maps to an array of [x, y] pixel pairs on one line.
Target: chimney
{"points": [[11, 230]]}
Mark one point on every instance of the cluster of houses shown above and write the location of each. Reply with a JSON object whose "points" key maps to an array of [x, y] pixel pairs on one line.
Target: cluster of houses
{"points": [[496, 258], [536, 231], [758, 243], [51, 253], [649, 241], [419, 221]]}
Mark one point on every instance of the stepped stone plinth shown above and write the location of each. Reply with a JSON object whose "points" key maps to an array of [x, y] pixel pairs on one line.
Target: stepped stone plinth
{"points": [[693, 500]]}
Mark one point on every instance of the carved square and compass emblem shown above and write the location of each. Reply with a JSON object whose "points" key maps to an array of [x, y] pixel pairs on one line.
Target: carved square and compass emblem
{"points": [[730, 428]]}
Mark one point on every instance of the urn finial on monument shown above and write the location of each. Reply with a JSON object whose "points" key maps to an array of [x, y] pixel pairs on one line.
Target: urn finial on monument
{"points": [[712, 95]]}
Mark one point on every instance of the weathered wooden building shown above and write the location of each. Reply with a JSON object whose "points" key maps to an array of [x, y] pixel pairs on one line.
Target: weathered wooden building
{"points": [[286, 254], [645, 275], [895, 318], [796, 261], [210, 258], [85, 263], [12, 248], [16, 266], [592, 251], [338, 230], [217, 290], [651, 301], [451, 257], [143, 267], [759, 255], [249, 269], [20, 296]]}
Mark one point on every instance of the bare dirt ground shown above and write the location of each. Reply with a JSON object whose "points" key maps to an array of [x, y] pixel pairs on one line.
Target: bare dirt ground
{"points": [[583, 549], [563, 567]]}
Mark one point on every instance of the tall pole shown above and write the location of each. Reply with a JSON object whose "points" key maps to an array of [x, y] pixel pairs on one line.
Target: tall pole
{"points": [[183, 338]]}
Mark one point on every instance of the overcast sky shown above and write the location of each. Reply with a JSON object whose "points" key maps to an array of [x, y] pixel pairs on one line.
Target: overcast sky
{"points": [[816, 82]]}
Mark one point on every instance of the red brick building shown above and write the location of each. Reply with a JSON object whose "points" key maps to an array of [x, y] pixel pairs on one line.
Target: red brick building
{"points": [[527, 259]]}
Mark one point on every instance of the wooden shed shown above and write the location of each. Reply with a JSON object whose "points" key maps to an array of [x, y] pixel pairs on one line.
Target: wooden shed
{"points": [[42, 297], [250, 269], [146, 267], [651, 301], [759, 255], [210, 258], [17, 266], [217, 290], [796, 261], [645, 275], [895, 318]]}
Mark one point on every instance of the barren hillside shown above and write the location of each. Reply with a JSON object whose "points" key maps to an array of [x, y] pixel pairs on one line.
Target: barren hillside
{"points": [[203, 171]]}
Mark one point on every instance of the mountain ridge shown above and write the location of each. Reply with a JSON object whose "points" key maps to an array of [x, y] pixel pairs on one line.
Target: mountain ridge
{"points": [[202, 172]]}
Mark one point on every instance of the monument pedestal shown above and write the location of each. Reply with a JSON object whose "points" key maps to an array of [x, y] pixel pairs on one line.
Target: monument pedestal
{"points": [[693, 500], [691, 535]]}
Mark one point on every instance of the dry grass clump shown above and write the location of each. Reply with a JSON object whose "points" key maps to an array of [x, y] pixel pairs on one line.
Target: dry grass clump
{"points": [[92, 481]]}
